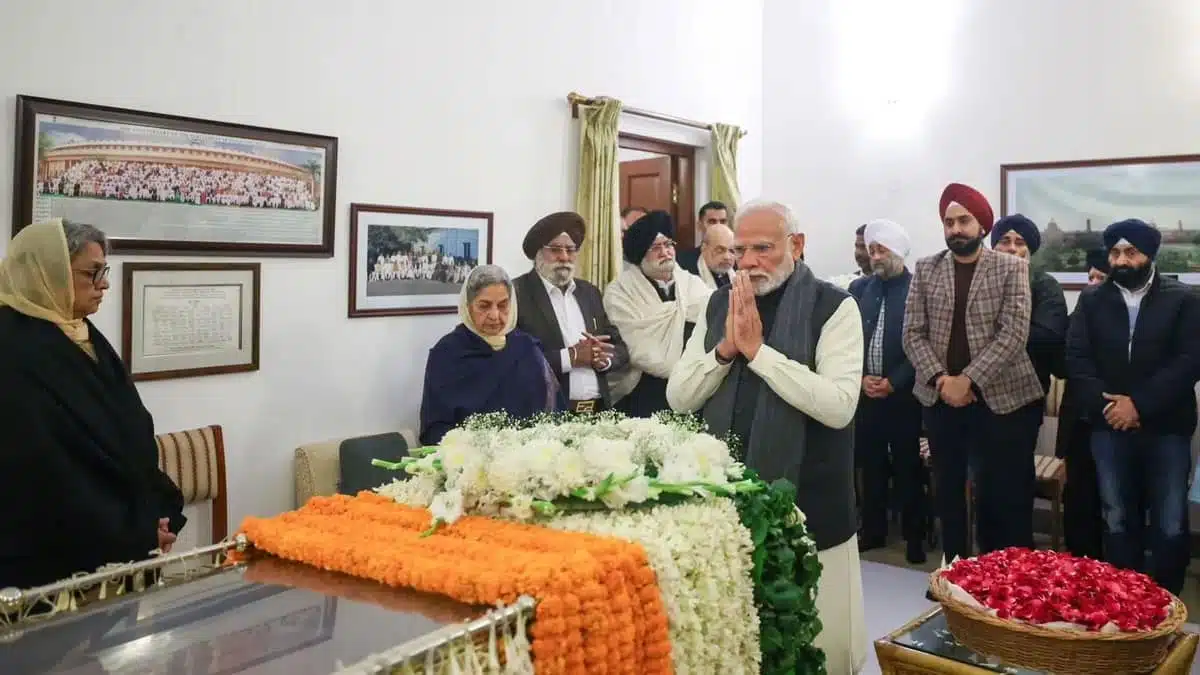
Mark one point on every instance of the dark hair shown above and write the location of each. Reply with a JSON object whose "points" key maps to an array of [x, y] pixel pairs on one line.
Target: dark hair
{"points": [[858, 232], [711, 206], [630, 209]]}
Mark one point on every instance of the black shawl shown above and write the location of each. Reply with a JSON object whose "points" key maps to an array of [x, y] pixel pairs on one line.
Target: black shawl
{"points": [[79, 479]]}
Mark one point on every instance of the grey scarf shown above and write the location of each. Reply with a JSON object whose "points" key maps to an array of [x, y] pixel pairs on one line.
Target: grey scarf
{"points": [[778, 432]]}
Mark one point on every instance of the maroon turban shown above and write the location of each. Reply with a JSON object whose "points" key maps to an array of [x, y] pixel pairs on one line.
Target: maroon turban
{"points": [[971, 200]]}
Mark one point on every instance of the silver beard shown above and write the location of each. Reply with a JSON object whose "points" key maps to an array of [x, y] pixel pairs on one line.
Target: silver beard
{"points": [[768, 283], [889, 268], [557, 273]]}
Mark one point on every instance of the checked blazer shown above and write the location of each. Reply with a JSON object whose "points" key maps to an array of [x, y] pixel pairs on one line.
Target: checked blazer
{"points": [[997, 322]]}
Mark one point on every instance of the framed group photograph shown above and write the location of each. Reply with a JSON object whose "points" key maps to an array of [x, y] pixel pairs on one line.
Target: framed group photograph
{"points": [[164, 184], [190, 319], [1072, 203], [408, 261]]}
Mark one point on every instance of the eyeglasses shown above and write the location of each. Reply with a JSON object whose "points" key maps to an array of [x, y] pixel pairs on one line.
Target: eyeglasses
{"points": [[560, 250], [97, 275], [758, 249], [664, 245]]}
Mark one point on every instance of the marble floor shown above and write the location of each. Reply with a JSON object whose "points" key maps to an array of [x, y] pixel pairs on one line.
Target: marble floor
{"points": [[895, 594]]}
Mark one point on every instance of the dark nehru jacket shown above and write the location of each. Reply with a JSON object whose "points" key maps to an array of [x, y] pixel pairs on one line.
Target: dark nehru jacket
{"points": [[818, 459]]}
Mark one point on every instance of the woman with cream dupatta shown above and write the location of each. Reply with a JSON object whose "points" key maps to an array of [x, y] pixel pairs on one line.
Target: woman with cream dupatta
{"points": [[485, 365], [81, 484]]}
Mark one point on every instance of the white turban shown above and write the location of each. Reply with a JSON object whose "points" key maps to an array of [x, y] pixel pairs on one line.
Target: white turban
{"points": [[888, 234]]}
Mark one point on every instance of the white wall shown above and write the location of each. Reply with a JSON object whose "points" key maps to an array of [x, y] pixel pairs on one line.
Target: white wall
{"points": [[975, 85], [454, 104]]}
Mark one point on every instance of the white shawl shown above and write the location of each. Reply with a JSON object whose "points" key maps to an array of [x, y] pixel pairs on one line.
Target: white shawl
{"points": [[652, 329], [705, 273]]}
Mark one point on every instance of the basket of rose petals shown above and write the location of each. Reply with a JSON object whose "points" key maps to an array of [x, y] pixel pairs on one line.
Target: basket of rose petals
{"points": [[1055, 612]]}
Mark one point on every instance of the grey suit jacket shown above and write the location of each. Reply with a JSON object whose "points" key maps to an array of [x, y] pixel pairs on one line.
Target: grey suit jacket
{"points": [[998, 309], [536, 316]]}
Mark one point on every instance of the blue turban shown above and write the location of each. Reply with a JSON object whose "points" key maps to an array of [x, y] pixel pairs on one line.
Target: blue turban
{"points": [[1097, 259], [1143, 237], [1022, 226], [641, 235]]}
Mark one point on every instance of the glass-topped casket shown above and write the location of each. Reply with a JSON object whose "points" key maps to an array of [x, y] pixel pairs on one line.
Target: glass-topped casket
{"points": [[200, 613]]}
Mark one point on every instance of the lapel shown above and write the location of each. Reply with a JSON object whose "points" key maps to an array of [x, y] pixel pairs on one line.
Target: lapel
{"points": [[584, 299], [983, 268], [536, 290]]}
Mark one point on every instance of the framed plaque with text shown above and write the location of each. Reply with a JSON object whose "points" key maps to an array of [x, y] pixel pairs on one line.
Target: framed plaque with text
{"points": [[190, 319]]}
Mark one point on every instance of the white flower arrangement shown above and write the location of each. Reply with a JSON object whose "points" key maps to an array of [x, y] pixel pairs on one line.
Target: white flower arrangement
{"points": [[701, 554], [494, 467]]}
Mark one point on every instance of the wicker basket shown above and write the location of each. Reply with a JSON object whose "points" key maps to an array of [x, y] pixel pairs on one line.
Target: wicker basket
{"points": [[1053, 650]]}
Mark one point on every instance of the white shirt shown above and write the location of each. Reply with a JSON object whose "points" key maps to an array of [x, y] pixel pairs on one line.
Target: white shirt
{"points": [[581, 382], [829, 394]]}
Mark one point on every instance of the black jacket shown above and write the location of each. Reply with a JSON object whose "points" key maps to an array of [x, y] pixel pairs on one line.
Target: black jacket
{"points": [[536, 316], [872, 292], [79, 470], [1047, 328], [1158, 368]]}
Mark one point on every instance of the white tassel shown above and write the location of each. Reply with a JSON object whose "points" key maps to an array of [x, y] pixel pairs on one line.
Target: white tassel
{"points": [[493, 655]]}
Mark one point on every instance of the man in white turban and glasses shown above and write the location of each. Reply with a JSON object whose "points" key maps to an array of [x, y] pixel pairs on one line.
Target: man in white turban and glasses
{"points": [[887, 443], [776, 359]]}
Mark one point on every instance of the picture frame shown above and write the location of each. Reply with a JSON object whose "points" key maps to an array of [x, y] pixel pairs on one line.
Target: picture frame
{"points": [[171, 185], [412, 261], [1072, 202], [190, 319]]}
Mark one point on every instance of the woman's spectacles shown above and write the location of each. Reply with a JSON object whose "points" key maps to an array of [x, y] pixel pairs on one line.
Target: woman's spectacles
{"points": [[97, 275]]}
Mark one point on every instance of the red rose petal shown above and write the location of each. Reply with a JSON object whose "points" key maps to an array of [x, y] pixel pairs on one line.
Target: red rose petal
{"points": [[1041, 587]]}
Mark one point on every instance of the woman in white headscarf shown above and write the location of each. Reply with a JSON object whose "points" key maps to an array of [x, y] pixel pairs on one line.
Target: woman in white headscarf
{"points": [[81, 484], [485, 364]]}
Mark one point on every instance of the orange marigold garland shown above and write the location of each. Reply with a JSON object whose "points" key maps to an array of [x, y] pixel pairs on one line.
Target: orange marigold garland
{"points": [[599, 609]]}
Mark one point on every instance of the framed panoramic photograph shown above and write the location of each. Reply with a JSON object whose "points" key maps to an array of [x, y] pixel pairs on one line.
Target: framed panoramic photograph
{"points": [[407, 261], [1072, 203], [190, 319], [164, 184]]}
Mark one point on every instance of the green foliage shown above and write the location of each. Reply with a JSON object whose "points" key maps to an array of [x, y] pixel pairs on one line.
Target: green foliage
{"points": [[786, 570]]}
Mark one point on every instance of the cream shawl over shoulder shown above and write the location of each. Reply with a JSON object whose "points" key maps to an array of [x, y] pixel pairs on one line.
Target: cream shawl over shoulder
{"points": [[651, 328]]}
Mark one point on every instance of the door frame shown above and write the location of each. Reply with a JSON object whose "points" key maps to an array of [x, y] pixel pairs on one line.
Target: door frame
{"points": [[683, 182]]}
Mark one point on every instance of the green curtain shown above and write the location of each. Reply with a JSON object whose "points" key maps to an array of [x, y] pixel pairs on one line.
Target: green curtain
{"points": [[722, 175], [597, 196]]}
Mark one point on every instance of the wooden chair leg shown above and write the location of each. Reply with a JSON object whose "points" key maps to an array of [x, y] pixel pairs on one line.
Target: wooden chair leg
{"points": [[1056, 527]]}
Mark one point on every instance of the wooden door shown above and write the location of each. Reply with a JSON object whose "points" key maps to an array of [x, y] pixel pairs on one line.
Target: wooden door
{"points": [[647, 183]]}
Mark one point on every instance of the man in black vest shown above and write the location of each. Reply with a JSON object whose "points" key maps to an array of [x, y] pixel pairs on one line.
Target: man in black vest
{"points": [[1133, 359], [888, 425], [567, 314], [777, 361]]}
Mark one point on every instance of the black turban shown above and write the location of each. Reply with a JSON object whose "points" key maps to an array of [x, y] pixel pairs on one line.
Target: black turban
{"points": [[1097, 259], [1022, 226], [1144, 238], [547, 229], [641, 235]]}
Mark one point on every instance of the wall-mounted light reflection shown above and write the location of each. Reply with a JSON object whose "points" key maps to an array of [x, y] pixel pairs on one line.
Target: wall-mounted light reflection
{"points": [[894, 60]]}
